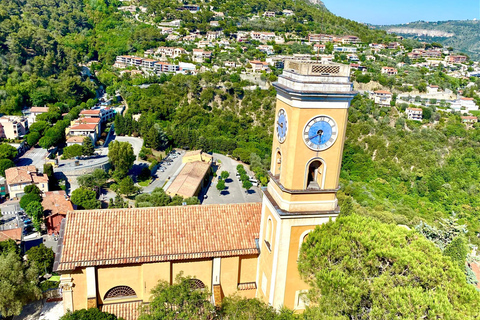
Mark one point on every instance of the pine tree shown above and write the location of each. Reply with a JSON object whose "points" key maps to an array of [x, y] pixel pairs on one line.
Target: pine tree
{"points": [[87, 147]]}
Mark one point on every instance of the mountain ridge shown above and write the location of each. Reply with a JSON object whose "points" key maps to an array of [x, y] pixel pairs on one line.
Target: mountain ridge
{"points": [[462, 35]]}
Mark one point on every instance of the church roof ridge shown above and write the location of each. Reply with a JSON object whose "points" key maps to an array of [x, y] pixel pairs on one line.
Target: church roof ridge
{"points": [[141, 235]]}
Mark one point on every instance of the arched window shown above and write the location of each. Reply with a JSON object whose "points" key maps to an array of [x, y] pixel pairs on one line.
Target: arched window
{"points": [[269, 234], [315, 175], [196, 284], [120, 292], [302, 239], [278, 164]]}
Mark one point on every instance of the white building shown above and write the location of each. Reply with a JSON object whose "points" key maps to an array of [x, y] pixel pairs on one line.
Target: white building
{"points": [[382, 97], [414, 114]]}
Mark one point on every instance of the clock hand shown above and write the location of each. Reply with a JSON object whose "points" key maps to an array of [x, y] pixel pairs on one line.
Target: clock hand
{"points": [[280, 124]]}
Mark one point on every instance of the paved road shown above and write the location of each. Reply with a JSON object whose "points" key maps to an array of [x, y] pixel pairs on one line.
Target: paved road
{"points": [[34, 156], [234, 193], [169, 171]]}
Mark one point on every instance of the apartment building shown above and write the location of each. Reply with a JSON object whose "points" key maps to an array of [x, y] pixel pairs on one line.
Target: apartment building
{"points": [[414, 114], [13, 127], [382, 97]]}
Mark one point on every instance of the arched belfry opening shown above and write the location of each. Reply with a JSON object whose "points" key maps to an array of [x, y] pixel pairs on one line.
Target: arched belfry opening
{"points": [[278, 164], [315, 175]]}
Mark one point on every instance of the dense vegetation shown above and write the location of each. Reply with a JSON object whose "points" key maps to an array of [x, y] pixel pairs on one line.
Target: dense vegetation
{"points": [[402, 171], [360, 268]]}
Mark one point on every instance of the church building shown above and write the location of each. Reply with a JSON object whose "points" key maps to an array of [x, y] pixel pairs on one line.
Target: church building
{"points": [[111, 259]]}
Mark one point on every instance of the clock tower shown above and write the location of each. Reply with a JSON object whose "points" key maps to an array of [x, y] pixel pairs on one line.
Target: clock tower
{"points": [[310, 123]]}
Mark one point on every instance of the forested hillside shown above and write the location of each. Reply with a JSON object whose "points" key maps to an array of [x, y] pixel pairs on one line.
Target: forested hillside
{"points": [[405, 172], [462, 35]]}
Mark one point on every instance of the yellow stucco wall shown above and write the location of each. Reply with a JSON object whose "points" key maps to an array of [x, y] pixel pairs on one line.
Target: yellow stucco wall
{"points": [[229, 271], [152, 273], [199, 269], [294, 281], [79, 279], [130, 276], [266, 257]]}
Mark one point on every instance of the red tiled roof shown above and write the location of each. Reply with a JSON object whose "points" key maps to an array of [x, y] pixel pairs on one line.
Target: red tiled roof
{"points": [[467, 99], [38, 109], [23, 174], [125, 310], [84, 126], [14, 234], [90, 112], [141, 235], [76, 139], [383, 92], [188, 181], [415, 109], [56, 202]]}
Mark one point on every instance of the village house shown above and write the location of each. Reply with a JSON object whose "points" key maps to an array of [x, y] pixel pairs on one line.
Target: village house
{"points": [[464, 104], [322, 38], [199, 55], [414, 114], [352, 57], [469, 119], [269, 14], [350, 40], [214, 23], [230, 64], [262, 36], [382, 97], [288, 13], [266, 48], [389, 71], [318, 47], [344, 49], [104, 114], [432, 89], [55, 205], [34, 112], [13, 127], [259, 66], [242, 36], [83, 130], [17, 178], [455, 59]]}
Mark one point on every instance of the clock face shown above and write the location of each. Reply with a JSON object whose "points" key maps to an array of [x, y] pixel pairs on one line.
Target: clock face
{"points": [[320, 133], [281, 125]]}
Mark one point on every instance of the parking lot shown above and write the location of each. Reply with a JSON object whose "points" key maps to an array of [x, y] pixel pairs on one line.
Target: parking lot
{"points": [[34, 156], [234, 192], [13, 217], [167, 169]]}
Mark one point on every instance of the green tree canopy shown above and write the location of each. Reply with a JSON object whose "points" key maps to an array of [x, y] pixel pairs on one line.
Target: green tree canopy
{"points": [[97, 179], [361, 268], [221, 185], [180, 300], [127, 187], [4, 165], [17, 284], [87, 147], [35, 211], [121, 157], [32, 188], [85, 198], [72, 151], [225, 175], [90, 314], [42, 257], [7, 151], [29, 197]]}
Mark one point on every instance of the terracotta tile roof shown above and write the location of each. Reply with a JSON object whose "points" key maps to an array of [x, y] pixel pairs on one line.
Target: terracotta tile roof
{"points": [[415, 109], [90, 112], [382, 92], [84, 126], [187, 182], [125, 310], [26, 174], [142, 235], [56, 202], [14, 234], [75, 139], [88, 120], [192, 153], [38, 109], [469, 118]]}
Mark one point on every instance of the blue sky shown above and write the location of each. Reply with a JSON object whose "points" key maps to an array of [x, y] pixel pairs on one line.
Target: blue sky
{"points": [[403, 11]]}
